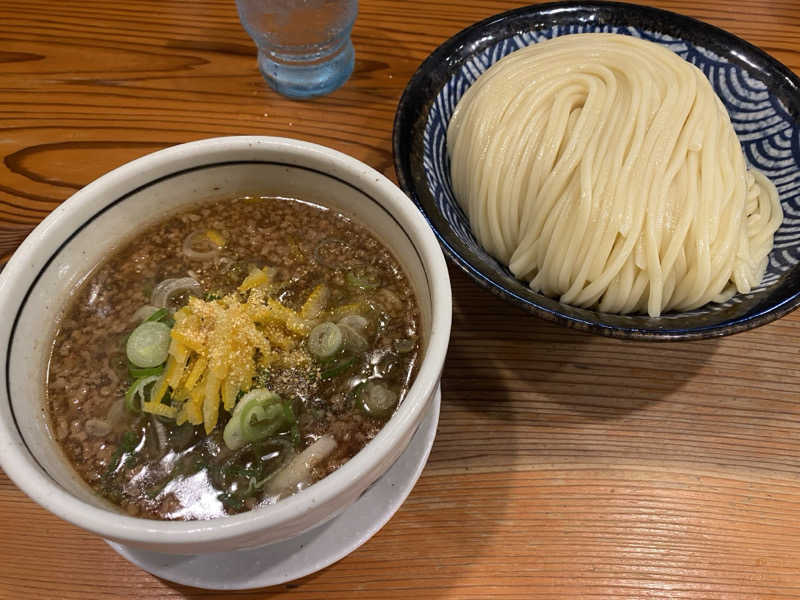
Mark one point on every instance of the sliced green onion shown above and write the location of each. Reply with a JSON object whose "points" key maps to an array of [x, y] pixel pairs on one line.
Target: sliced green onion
{"points": [[157, 315], [170, 288], [232, 434], [136, 393], [162, 315], [356, 322], [365, 278], [258, 415], [338, 367], [376, 399], [137, 372], [148, 344], [141, 315], [259, 421], [325, 340], [352, 339]]}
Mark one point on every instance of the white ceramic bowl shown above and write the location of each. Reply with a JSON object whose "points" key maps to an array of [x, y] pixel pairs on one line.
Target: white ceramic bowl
{"points": [[34, 288]]}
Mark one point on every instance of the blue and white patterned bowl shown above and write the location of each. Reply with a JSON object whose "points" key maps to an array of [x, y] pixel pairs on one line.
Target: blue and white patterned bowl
{"points": [[762, 97]]}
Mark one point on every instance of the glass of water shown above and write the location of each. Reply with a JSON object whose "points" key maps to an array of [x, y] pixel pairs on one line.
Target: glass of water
{"points": [[304, 47]]}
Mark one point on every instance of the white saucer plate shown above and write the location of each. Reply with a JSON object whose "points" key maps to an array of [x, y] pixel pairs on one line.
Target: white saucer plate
{"points": [[310, 552]]}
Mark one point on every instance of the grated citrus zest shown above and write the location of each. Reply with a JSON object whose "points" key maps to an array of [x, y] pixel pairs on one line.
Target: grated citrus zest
{"points": [[218, 346]]}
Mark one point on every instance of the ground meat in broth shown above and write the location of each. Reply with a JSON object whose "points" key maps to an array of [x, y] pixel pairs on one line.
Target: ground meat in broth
{"points": [[152, 468]]}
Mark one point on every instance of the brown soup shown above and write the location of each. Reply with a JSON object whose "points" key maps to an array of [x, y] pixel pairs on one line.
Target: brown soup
{"points": [[229, 356]]}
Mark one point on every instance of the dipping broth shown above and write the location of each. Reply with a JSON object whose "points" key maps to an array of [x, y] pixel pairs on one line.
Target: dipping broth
{"points": [[229, 356]]}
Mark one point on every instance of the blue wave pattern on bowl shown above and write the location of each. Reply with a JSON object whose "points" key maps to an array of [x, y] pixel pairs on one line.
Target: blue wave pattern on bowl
{"points": [[769, 137]]}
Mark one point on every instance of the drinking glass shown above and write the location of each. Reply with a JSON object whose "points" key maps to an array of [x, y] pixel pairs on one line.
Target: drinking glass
{"points": [[304, 47]]}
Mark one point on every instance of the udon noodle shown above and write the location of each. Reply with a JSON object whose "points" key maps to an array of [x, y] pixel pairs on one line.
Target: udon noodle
{"points": [[604, 170]]}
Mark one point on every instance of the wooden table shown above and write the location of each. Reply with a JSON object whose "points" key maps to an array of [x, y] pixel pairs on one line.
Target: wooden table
{"points": [[566, 465]]}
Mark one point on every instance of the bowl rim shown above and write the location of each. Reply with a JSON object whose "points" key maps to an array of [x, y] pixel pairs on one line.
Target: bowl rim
{"points": [[19, 462], [417, 97]]}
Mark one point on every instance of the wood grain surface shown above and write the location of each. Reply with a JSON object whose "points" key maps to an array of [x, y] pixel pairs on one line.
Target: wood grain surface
{"points": [[565, 466]]}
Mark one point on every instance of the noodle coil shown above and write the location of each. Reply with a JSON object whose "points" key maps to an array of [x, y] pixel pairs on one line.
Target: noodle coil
{"points": [[604, 170]]}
